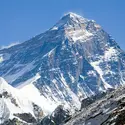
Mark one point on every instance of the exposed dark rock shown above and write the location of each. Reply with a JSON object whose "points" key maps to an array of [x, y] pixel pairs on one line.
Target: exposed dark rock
{"points": [[14, 102], [0, 95], [38, 112], [107, 110], [59, 116], [87, 101], [5, 94], [14, 122], [120, 118], [26, 117]]}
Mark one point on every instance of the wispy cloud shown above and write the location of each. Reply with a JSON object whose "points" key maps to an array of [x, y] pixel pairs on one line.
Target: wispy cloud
{"points": [[10, 45]]}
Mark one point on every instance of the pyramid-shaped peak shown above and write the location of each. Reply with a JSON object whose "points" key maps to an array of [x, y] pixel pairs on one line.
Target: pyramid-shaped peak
{"points": [[72, 14], [70, 20]]}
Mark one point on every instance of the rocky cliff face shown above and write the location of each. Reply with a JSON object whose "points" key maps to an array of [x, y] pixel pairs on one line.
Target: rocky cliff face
{"points": [[75, 59], [59, 116], [109, 110]]}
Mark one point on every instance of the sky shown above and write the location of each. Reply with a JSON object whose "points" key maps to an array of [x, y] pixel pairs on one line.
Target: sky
{"points": [[22, 19]]}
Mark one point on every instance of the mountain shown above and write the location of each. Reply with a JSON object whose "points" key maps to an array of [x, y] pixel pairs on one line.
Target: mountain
{"points": [[14, 106], [73, 60]]}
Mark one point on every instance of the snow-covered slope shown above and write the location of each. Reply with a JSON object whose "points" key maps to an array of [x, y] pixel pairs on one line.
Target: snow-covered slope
{"points": [[33, 94], [75, 58], [13, 103]]}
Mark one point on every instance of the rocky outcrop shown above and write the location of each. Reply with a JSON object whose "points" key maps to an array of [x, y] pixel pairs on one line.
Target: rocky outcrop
{"points": [[88, 101], [58, 117], [14, 122], [38, 112], [27, 117], [108, 110], [7, 95]]}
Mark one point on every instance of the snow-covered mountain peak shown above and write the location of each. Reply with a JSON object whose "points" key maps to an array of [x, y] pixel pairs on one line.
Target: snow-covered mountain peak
{"points": [[72, 15], [73, 60], [76, 27], [70, 20]]}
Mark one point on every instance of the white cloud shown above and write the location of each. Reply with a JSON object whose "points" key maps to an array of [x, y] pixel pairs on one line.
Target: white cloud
{"points": [[10, 45]]}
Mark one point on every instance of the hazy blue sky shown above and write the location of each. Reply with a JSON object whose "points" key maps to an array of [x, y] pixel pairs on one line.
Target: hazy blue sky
{"points": [[22, 19]]}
